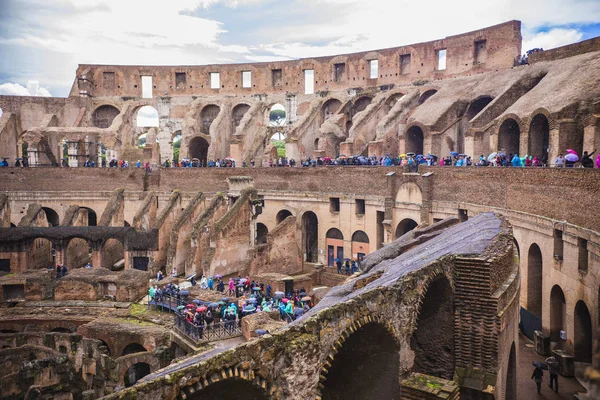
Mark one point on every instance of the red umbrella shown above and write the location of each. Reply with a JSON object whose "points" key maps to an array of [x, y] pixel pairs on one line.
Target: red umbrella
{"points": [[191, 306], [201, 309]]}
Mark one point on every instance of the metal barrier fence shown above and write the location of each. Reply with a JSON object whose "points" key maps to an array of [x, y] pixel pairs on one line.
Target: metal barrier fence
{"points": [[209, 332], [167, 303]]}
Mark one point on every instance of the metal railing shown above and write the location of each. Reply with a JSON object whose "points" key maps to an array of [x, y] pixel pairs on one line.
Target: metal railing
{"points": [[208, 332], [167, 303]]}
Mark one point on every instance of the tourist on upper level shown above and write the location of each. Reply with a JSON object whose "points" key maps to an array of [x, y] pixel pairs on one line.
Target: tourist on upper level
{"points": [[174, 272], [560, 161], [587, 161], [211, 283], [159, 276], [516, 161], [138, 164]]}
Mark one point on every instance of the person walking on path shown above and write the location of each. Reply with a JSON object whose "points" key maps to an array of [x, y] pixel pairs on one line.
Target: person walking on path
{"points": [[553, 368], [537, 376]]}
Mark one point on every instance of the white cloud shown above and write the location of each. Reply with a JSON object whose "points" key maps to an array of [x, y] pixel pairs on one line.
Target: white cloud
{"points": [[553, 38], [147, 116], [33, 88]]}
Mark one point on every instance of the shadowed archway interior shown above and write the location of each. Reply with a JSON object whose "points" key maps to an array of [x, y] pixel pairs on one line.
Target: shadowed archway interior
{"points": [[231, 389], [366, 367]]}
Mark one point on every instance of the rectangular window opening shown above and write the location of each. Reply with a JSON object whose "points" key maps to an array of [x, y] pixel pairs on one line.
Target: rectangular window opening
{"points": [[558, 245], [4, 264], [14, 292], [146, 87], [180, 80], [583, 254], [360, 206], [374, 66], [334, 204], [108, 80], [140, 263], [246, 79], [480, 51], [309, 81], [277, 77], [339, 72], [405, 64], [462, 215], [215, 80], [441, 59]]}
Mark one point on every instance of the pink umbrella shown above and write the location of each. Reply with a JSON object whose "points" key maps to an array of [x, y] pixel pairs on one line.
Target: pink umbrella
{"points": [[571, 151], [284, 301], [200, 309]]}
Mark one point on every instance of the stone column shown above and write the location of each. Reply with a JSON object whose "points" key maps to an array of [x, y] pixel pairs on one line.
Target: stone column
{"points": [[60, 252], [235, 151], [96, 254], [32, 155], [347, 147], [470, 146], [591, 134], [291, 150], [73, 151], [375, 149]]}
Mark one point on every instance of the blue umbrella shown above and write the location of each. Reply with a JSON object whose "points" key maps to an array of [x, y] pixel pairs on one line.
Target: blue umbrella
{"points": [[213, 305], [540, 365], [197, 301], [454, 153], [252, 300], [225, 299], [249, 309], [261, 332], [184, 293]]}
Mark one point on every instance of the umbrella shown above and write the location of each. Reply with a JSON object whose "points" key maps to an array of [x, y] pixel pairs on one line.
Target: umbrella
{"points": [[221, 303], [261, 332], [219, 276], [279, 293], [225, 299], [184, 293], [256, 288], [191, 306], [540, 365], [492, 156], [240, 285], [200, 309], [463, 155], [213, 305], [190, 277], [306, 298], [454, 153], [298, 311], [199, 302], [571, 157], [243, 280], [249, 309], [571, 151], [410, 154], [284, 300], [402, 155], [337, 259], [180, 308]]}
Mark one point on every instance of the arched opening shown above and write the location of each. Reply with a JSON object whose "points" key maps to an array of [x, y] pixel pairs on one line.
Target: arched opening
{"points": [[335, 246], [176, 146], [104, 116], [87, 217], [230, 389], [147, 117], [141, 141], [583, 333], [237, 114], [112, 252], [132, 348], [433, 340], [534, 280], [476, 106], [61, 330], [330, 108], [103, 347], [51, 216], [261, 234], [277, 115], [278, 149], [361, 104], [539, 137], [126, 224], [509, 137], [207, 116], [281, 215], [558, 313], [406, 225], [414, 140], [198, 148], [425, 96], [360, 245], [392, 100], [310, 236], [79, 253], [366, 367], [135, 373], [40, 254], [511, 374]]}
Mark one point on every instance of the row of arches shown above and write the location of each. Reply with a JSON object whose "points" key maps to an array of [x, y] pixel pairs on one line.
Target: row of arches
{"points": [[86, 217]]}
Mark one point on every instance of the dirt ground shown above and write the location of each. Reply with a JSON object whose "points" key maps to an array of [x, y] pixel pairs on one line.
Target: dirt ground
{"points": [[567, 387]]}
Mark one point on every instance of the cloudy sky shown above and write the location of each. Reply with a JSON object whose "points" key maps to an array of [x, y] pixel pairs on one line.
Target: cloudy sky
{"points": [[42, 41]]}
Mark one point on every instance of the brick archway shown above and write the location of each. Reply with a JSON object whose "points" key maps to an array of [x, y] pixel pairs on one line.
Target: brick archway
{"points": [[205, 386], [125, 362]]}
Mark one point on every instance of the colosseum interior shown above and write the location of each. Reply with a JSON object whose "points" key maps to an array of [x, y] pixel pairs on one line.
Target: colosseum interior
{"points": [[456, 264]]}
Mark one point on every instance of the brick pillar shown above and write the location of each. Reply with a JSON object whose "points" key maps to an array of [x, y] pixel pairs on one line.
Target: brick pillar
{"points": [[375, 149], [60, 252], [96, 254], [591, 134], [347, 148]]}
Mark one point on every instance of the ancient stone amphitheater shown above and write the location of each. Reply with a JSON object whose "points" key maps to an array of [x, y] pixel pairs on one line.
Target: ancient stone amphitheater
{"points": [[455, 260]]}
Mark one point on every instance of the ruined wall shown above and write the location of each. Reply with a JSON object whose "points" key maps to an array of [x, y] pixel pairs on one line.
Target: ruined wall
{"points": [[281, 253], [570, 50]]}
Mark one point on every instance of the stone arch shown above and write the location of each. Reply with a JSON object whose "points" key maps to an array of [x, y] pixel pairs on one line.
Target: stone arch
{"points": [[511, 374], [78, 253], [558, 313], [409, 192], [583, 333], [404, 226], [478, 105], [104, 115], [282, 215], [136, 372], [113, 251], [330, 108], [334, 233], [509, 136], [146, 117], [237, 114], [90, 218], [208, 114], [539, 136], [414, 139], [133, 348], [247, 386], [364, 362], [360, 245], [261, 233], [39, 255], [391, 101], [433, 339], [361, 104], [125, 363], [426, 95], [198, 148], [310, 236], [51, 216], [534, 280]]}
